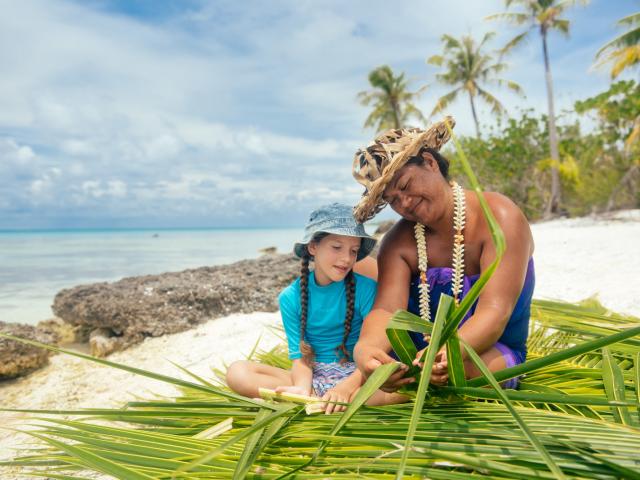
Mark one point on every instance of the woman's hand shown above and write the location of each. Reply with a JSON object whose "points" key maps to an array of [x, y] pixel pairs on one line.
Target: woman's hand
{"points": [[294, 389], [369, 357], [439, 375]]}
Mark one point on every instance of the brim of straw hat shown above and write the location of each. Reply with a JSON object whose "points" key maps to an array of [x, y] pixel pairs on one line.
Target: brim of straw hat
{"points": [[366, 246], [433, 137]]}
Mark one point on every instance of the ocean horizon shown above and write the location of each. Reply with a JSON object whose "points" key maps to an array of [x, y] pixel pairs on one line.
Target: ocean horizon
{"points": [[38, 263]]}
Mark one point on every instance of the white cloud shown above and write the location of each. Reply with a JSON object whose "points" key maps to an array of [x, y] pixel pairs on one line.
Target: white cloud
{"points": [[42, 187], [100, 189], [11, 151], [80, 148], [117, 188], [227, 107]]}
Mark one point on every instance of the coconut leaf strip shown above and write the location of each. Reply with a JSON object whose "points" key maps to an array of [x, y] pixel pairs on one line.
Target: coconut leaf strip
{"points": [[193, 375], [520, 396], [537, 444], [636, 381], [80, 456], [373, 383], [402, 345], [404, 320], [267, 435], [614, 387], [556, 357], [257, 426], [455, 364], [444, 306], [249, 452], [138, 371]]}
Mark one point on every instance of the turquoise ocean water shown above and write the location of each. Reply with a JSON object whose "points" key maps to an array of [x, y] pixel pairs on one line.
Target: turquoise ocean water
{"points": [[35, 265]]}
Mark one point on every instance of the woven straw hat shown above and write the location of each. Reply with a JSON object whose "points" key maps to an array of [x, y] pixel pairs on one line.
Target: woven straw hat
{"points": [[375, 166]]}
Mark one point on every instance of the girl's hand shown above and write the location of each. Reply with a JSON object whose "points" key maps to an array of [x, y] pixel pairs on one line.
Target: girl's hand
{"points": [[294, 389], [336, 394], [439, 375]]}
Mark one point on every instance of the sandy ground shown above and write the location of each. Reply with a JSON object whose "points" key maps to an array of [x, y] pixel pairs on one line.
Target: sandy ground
{"points": [[574, 259]]}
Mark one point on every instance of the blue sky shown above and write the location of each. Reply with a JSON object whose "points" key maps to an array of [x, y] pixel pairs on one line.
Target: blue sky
{"points": [[225, 113]]}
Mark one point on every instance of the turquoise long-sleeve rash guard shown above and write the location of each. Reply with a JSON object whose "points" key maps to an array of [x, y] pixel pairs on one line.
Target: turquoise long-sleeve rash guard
{"points": [[327, 307]]}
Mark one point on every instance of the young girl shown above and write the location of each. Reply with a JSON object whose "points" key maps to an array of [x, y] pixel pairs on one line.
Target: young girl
{"points": [[322, 313]]}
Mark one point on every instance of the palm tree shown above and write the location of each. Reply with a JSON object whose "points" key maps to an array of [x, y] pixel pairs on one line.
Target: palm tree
{"points": [[392, 103], [623, 50], [543, 16], [465, 68]]}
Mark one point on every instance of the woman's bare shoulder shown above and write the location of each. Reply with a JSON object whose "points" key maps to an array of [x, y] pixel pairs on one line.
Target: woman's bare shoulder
{"points": [[398, 241], [505, 209], [511, 218]]}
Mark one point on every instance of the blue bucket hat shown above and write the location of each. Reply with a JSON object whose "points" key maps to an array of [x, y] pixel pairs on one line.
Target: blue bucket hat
{"points": [[336, 218]]}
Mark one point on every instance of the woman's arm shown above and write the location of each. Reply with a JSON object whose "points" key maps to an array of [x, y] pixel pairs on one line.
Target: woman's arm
{"points": [[368, 267], [394, 272], [499, 297]]}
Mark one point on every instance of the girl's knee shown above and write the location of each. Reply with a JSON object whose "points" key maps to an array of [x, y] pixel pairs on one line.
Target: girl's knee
{"points": [[238, 372]]}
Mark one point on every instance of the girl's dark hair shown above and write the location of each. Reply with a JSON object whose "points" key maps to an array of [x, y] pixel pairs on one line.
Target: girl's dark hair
{"points": [[350, 288], [441, 160]]}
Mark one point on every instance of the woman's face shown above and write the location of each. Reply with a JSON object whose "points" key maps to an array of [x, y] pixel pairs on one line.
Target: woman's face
{"points": [[334, 256], [416, 192]]}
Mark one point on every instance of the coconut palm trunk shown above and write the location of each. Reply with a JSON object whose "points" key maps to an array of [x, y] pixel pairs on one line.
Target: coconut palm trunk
{"points": [[626, 180], [396, 114], [556, 192], [475, 115], [542, 16]]}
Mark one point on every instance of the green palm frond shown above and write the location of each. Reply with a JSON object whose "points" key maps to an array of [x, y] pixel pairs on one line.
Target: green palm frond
{"points": [[444, 101], [392, 102], [466, 66], [456, 435], [624, 50], [496, 107], [541, 15]]}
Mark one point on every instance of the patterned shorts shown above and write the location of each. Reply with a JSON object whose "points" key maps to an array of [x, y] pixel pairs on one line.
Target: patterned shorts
{"points": [[328, 375]]}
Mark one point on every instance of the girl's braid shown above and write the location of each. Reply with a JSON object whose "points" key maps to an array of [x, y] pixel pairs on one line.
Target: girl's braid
{"points": [[305, 348], [350, 284]]}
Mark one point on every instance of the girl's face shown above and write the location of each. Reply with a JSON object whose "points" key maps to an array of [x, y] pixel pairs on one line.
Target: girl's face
{"points": [[334, 256]]}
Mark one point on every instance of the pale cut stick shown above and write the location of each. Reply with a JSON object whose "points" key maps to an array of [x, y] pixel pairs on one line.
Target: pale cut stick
{"points": [[313, 404]]}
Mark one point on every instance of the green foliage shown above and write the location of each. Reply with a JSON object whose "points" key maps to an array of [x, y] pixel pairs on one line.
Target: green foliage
{"points": [[616, 111], [599, 169], [468, 68], [505, 160], [614, 144], [392, 103], [624, 50]]}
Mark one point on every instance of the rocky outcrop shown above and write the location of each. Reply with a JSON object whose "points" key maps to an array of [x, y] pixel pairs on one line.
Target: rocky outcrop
{"points": [[61, 333], [383, 228], [17, 358], [116, 315]]}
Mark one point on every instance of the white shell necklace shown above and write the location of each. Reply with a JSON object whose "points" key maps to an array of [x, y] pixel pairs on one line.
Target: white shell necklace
{"points": [[459, 213]]}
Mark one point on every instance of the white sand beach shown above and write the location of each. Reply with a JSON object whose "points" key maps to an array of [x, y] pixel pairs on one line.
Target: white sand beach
{"points": [[574, 259]]}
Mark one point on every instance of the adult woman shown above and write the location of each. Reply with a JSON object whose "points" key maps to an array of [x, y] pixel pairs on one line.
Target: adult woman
{"points": [[404, 169]]}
